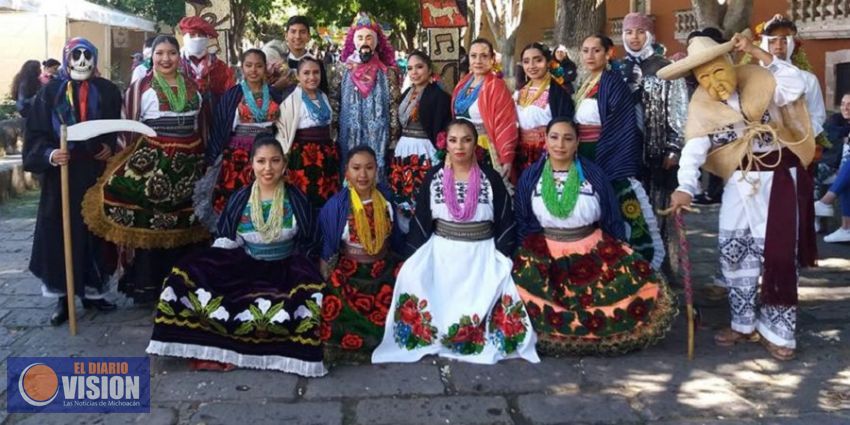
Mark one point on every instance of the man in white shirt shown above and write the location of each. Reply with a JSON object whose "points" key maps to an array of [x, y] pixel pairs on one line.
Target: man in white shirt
{"points": [[747, 124], [779, 39]]}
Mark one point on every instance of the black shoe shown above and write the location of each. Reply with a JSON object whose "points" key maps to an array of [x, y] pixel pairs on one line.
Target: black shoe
{"points": [[60, 314], [99, 304]]}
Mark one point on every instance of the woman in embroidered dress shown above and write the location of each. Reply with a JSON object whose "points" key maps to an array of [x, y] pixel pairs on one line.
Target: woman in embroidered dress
{"points": [[540, 99], [454, 297], [586, 292], [609, 136], [304, 131], [254, 298], [424, 113], [245, 110], [484, 99], [143, 201], [360, 239]]}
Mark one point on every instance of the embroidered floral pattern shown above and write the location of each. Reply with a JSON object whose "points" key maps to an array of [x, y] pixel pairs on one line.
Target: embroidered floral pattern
{"points": [[406, 176], [586, 301], [357, 303], [507, 324], [314, 169], [412, 327], [236, 173], [158, 184], [465, 337], [640, 237]]}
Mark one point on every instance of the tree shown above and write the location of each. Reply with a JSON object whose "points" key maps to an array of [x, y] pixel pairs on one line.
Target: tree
{"points": [[503, 18], [167, 12], [402, 15], [730, 17], [577, 19], [240, 12]]}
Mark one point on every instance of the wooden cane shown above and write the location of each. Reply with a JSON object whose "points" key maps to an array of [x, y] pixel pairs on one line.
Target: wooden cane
{"points": [[66, 234], [685, 267]]}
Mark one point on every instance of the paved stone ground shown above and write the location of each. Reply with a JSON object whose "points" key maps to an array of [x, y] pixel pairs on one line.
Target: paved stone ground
{"points": [[657, 386]]}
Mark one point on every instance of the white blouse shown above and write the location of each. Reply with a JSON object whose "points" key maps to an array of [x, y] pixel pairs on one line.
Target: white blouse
{"points": [[306, 121], [150, 107], [587, 112], [536, 115]]}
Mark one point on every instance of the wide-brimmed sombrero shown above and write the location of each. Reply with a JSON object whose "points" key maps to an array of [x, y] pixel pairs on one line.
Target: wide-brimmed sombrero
{"points": [[701, 50]]}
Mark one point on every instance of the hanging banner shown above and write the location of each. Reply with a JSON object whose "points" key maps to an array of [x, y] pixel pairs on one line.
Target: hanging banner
{"points": [[442, 14]]}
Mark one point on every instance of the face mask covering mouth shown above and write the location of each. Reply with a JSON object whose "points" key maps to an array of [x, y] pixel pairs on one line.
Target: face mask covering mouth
{"points": [[195, 46]]}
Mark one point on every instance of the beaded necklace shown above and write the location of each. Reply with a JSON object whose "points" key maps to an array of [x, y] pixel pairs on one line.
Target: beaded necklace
{"points": [[320, 113], [176, 102], [372, 242], [467, 96], [561, 206], [260, 113], [268, 227], [584, 91], [524, 100], [473, 187]]}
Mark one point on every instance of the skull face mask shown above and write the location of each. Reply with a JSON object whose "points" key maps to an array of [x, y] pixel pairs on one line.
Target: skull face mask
{"points": [[81, 64]]}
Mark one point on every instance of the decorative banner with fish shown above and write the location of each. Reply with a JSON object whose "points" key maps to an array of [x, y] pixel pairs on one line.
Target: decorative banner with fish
{"points": [[442, 13]]}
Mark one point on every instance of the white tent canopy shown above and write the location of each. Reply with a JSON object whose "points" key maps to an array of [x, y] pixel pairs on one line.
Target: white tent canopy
{"points": [[81, 11]]}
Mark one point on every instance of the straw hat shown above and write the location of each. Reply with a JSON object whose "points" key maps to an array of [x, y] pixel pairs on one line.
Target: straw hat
{"points": [[701, 50]]}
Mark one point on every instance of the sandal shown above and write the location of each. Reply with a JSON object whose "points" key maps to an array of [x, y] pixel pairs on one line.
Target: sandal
{"points": [[779, 353], [728, 337], [210, 366]]}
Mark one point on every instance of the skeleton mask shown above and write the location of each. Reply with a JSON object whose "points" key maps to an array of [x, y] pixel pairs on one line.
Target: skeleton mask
{"points": [[81, 64]]}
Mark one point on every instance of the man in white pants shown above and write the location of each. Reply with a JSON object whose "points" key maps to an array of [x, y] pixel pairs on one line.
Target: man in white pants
{"points": [[749, 125]]}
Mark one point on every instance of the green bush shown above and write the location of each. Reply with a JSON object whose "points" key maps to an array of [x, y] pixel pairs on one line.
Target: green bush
{"points": [[7, 109]]}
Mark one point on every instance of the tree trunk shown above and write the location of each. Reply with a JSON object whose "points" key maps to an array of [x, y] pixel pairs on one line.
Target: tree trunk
{"points": [[731, 17], [238, 13], [503, 18], [577, 19]]}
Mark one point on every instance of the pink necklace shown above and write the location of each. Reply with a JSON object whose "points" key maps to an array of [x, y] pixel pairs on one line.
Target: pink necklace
{"points": [[466, 212]]}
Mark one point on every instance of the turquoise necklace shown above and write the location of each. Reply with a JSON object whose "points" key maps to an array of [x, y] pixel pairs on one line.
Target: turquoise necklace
{"points": [[320, 113], [260, 113]]}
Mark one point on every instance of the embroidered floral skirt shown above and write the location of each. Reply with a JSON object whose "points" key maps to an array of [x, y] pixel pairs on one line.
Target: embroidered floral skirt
{"points": [[592, 296], [231, 172], [224, 305], [456, 299], [355, 308], [531, 146], [411, 161], [314, 165], [144, 198], [642, 231]]}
